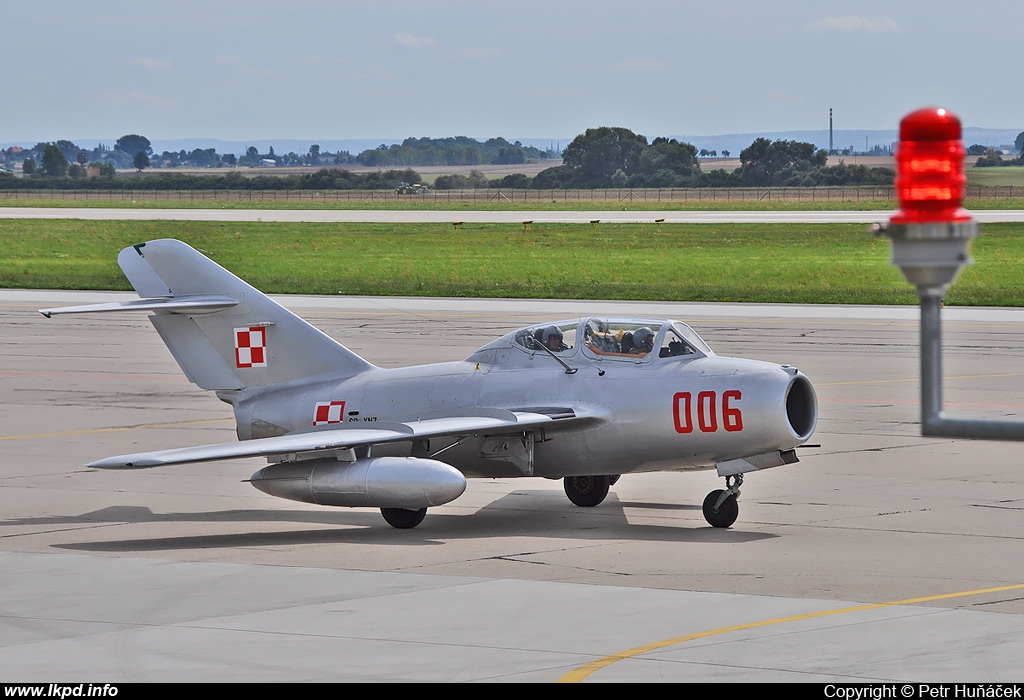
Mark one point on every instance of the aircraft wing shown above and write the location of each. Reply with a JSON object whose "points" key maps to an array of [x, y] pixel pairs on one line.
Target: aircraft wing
{"points": [[496, 422]]}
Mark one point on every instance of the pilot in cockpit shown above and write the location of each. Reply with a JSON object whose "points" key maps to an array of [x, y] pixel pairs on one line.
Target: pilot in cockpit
{"points": [[551, 338], [643, 340]]}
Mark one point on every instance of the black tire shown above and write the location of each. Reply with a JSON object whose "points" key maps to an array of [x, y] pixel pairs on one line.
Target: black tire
{"points": [[727, 512], [403, 519], [586, 491]]}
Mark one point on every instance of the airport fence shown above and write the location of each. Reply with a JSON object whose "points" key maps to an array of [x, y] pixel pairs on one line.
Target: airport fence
{"points": [[654, 196]]}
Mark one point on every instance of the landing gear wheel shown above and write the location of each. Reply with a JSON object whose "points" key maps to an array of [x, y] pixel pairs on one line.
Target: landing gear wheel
{"points": [[727, 512], [403, 519], [586, 491]]}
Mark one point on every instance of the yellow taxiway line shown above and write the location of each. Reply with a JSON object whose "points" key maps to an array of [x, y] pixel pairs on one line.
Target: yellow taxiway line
{"points": [[582, 672]]}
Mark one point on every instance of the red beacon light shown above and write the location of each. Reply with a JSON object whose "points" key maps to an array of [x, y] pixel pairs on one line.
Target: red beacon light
{"points": [[931, 232], [930, 180]]}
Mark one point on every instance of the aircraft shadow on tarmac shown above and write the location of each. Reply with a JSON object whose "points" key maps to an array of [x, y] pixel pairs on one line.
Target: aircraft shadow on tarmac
{"points": [[517, 514]]}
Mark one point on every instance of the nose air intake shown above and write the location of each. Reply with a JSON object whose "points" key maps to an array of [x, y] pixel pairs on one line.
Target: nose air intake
{"points": [[801, 407]]}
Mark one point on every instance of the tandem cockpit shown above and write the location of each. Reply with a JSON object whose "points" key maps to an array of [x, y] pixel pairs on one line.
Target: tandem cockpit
{"points": [[595, 340]]}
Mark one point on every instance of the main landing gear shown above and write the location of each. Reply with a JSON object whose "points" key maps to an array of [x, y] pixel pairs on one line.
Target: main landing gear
{"points": [[588, 491], [720, 507]]}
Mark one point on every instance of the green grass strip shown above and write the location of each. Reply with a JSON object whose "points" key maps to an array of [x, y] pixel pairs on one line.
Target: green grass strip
{"points": [[798, 263]]}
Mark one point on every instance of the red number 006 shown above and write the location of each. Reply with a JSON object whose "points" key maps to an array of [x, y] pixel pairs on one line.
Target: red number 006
{"points": [[706, 408]]}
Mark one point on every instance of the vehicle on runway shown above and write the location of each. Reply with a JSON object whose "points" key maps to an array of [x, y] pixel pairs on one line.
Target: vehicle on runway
{"points": [[583, 400], [406, 188]]}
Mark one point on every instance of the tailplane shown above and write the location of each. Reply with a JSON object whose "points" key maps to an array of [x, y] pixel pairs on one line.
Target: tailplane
{"points": [[224, 333]]}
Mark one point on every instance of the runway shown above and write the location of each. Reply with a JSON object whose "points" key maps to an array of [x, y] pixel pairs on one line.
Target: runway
{"points": [[881, 557], [517, 217]]}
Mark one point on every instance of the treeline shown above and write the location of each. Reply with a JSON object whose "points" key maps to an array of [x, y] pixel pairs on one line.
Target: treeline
{"points": [[992, 159], [455, 150], [324, 179], [605, 157], [134, 151], [616, 157], [613, 157]]}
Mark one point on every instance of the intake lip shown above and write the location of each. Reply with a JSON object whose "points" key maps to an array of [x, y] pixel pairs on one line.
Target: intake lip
{"points": [[801, 407]]}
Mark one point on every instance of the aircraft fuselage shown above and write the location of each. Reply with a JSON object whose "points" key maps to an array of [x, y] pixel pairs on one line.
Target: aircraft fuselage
{"points": [[651, 413]]}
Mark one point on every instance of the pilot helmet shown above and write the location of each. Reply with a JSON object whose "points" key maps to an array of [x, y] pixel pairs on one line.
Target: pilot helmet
{"points": [[643, 337], [549, 333]]}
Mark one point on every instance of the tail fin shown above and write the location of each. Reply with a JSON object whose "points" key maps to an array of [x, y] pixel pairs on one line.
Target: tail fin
{"points": [[224, 333]]}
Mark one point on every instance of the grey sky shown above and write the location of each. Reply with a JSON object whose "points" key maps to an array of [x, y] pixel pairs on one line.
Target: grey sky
{"points": [[316, 69]]}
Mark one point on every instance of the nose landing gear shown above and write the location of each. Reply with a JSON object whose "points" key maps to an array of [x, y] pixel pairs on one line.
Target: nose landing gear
{"points": [[720, 507]]}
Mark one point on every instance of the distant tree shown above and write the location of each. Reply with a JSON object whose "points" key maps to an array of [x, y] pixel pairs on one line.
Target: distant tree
{"points": [[229, 159], [82, 158], [776, 163], [314, 154], [105, 169], [119, 159], [976, 150], [29, 166], [518, 181], [203, 158], [556, 178], [597, 154], [725, 154], [251, 157], [510, 154], [665, 163], [69, 149], [133, 143], [76, 170], [1018, 143], [141, 161], [54, 162], [991, 158], [475, 180]]}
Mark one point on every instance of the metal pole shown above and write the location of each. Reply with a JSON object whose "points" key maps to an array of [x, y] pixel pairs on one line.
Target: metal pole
{"points": [[934, 422], [931, 361]]}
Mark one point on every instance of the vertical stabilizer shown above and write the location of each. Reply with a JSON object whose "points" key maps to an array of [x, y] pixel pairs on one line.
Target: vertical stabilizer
{"points": [[253, 343]]}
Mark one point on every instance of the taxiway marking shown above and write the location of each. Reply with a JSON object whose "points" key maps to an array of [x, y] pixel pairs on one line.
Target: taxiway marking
{"points": [[582, 672]]}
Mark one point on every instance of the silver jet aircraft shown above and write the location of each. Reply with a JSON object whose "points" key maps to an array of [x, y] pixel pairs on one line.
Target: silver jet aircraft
{"points": [[584, 400]]}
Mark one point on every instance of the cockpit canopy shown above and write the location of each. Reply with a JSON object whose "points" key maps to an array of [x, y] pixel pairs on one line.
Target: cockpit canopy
{"points": [[597, 339]]}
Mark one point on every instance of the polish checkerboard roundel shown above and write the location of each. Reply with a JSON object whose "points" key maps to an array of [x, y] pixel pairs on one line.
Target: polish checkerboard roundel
{"points": [[328, 412], [251, 347]]}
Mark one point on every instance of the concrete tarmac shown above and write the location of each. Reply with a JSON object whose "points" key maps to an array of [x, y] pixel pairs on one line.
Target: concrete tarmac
{"points": [[881, 556]]}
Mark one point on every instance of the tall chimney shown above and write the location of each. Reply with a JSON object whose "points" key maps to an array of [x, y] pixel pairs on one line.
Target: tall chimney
{"points": [[830, 130]]}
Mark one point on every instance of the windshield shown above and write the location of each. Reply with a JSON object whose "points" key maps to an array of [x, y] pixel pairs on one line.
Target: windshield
{"points": [[690, 337]]}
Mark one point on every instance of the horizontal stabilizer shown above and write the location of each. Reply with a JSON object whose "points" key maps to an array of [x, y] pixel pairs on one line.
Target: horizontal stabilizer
{"points": [[186, 305]]}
